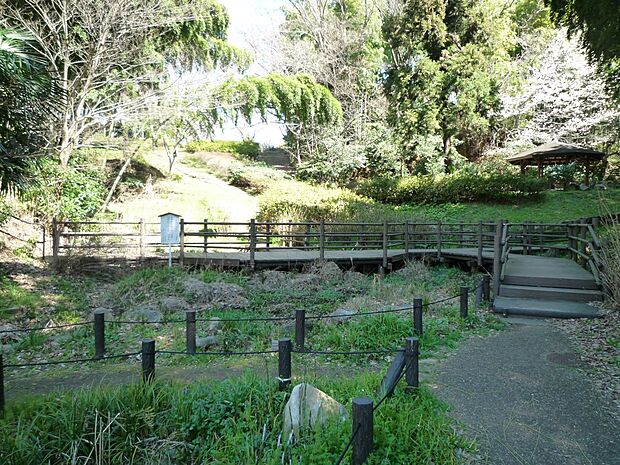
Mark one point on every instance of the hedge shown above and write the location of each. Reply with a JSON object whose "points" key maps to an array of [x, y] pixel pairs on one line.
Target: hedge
{"points": [[248, 148], [500, 188]]}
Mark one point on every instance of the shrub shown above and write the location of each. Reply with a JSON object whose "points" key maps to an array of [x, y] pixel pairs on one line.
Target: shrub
{"points": [[247, 148], [452, 188], [254, 178]]}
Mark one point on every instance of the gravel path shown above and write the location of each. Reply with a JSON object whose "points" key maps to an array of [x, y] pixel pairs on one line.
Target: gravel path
{"points": [[521, 395]]}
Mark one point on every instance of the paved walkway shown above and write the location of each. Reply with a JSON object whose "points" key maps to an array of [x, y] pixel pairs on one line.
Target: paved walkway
{"points": [[521, 395]]}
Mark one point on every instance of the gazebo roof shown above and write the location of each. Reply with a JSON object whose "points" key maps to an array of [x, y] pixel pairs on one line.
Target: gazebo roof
{"points": [[554, 153]]}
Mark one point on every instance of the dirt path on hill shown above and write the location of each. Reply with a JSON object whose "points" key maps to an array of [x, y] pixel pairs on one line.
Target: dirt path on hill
{"points": [[191, 192]]}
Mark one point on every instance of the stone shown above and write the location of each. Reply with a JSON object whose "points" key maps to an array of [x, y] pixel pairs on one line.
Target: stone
{"points": [[214, 325], [144, 314], [207, 342], [173, 304], [341, 315], [307, 408], [221, 295]]}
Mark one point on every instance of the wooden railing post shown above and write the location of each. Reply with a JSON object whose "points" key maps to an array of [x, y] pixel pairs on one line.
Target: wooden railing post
{"points": [[384, 262], [142, 226], [412, 366], [497, 257], [268, 234], [413, 235], [322, 240], [407, 238], [464, 302], [439, 240], [486, 288], [524, 238], [300, 328], [205, 239], [418, 328], [363, 443], [148, 360], [55, 243], [583, 233], [181, 242], [253, 243], [190, 331], [480, 243]]}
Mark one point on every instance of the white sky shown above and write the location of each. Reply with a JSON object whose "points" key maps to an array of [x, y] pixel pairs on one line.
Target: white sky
{"points": [[250, 19]]}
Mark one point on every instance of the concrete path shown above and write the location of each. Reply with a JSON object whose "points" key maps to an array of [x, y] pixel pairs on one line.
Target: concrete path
{"points": [[521, 396]]}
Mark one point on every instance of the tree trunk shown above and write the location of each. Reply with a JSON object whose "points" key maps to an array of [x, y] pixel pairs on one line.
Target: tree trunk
{"points": [[447, 159]]}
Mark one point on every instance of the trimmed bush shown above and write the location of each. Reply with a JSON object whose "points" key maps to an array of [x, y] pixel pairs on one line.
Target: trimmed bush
{"points": [[452, 189], [246, 148]]}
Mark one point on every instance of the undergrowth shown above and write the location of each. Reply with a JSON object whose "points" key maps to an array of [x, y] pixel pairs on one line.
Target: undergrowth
{"points": [[231, 422]]}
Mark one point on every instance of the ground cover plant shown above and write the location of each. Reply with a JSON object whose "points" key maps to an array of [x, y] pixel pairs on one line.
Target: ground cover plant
{"points": [[230, 422], [246, 148]]}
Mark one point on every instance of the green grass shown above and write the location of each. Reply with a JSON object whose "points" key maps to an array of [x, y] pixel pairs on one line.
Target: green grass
{"points": [[245, 148], [556, 206], [14, 299], [231, 422]]}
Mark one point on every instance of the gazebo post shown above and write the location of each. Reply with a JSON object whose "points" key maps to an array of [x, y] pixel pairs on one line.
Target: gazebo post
{"points": [[540, 167], [587, 170], [523, 167]]}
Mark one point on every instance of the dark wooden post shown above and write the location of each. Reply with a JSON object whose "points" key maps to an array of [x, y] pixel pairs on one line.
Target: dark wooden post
{"points": [[55, 243], [417, 316], [181, 242], [252, 243], [142, 226], [363, 443], [486, 287], [1, 385], [268, 234], [524, 241], [284, 363], [384, 262], [412, 365], [596, 222], [497, 257], [464, 307], [439, 239], [583, 233], [148, 360], [322, 240], [413, 236], [99, 322], [190, 331], [363, 235], [300, 328], [205, 239], [461, 237], [407, 238], [480, 243]]}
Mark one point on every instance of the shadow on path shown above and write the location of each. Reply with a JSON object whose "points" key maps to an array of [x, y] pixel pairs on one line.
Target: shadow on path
{"points": [[521, 395]]}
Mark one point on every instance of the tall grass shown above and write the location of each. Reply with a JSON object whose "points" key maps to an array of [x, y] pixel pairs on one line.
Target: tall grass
{"points": [[232, 422]]}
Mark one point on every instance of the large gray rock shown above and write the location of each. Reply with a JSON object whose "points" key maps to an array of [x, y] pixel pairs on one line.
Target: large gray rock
{"points": [[307, 408], [214, 326], [222, 295], [144, 314], [173, 304]]}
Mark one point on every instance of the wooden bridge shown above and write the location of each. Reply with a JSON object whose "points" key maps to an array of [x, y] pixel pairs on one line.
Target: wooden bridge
{"points": [[538, 268]]}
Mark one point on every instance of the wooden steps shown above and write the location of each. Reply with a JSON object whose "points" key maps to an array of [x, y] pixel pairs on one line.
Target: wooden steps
{"points": [[547, 287]]}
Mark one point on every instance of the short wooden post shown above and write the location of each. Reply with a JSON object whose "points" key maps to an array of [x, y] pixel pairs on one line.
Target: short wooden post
{"points": [[384, 262], [285, 348], [486, 288], [461, 236], [497, 257], [267, 234], [407, 238], [1, 385], [413, 235], [190, 331], [252, 243], [412, 364], [583, 233], [417, 316], [99, 322], [205, 238], [363, 423], [439, 240], [142, 226], [524, 241], [148, 360], [322, 240], [480, 243], [464, 307], [300, 328], [55, 243], [181, 242]]}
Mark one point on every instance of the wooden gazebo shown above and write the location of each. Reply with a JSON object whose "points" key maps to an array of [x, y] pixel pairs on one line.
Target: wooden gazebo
{"points": [[556, 153]]}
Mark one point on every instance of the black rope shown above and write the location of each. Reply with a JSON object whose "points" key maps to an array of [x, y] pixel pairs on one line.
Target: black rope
{"points": [[174, 352], [42, 328], [348, 446], [79, 360], [274, 318], [388, 394], [135, 322]]}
